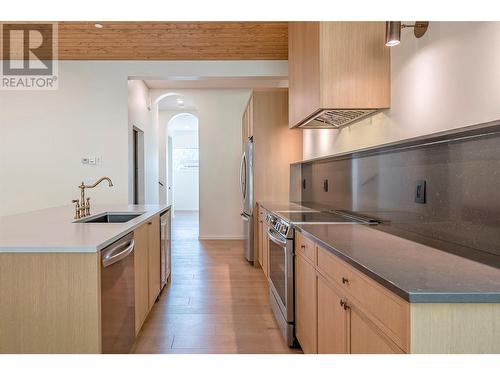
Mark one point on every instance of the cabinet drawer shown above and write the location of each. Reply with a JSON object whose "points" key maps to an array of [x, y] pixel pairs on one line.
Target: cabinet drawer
{"points": [[305, 246], [387, 310]]}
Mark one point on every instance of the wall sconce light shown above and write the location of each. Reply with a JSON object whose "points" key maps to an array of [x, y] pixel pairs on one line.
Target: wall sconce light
{"points": [[393, 31]]}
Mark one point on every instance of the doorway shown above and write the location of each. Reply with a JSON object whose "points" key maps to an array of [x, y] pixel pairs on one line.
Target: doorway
{"points": [[170, 174], [137, 166], [183, 166]]}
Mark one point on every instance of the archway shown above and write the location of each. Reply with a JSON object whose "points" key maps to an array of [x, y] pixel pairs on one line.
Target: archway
{"points": [[183, 165]]}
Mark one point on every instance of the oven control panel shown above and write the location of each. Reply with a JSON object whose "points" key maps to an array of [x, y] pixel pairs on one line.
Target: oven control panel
{"points": [[278, 224]]}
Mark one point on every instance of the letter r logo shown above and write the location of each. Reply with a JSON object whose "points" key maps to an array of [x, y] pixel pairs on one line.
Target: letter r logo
{"points": [[27, 49]]}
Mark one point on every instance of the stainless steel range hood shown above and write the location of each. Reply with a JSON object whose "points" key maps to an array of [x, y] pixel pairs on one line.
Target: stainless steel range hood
{"points": [[336, 118]]}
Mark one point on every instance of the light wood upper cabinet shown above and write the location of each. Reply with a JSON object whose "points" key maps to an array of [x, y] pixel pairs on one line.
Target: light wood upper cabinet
{"points": [[332, 320], [141, 261], [154, 259], [305, 304], [303, 70], [275, 147], [336, 65]]}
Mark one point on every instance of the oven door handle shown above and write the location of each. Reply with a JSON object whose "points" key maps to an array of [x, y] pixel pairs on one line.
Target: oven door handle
{"points": [[278, 241]]}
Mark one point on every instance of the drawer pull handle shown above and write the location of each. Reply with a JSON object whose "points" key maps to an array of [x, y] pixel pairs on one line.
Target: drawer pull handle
{"points": [[344, 304], [345, 280], [302, 246]]}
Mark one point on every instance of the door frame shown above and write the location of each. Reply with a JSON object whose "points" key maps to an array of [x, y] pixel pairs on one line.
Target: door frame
{"points": [[137, 166]]}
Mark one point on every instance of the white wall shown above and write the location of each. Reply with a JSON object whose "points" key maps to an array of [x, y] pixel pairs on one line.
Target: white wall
{"points": [[447, 79], [45, 134], [219, 113]]}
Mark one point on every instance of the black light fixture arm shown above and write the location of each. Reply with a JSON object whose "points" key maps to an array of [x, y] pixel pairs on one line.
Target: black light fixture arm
{"points": [[420, 27]]}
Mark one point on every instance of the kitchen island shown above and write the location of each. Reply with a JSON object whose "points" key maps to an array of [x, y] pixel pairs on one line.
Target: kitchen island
{"points": [[50, 276]]}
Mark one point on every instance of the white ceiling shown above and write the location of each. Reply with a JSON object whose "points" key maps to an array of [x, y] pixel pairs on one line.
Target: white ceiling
{"points": [[195, 82], [171, 102], [176, 102]]}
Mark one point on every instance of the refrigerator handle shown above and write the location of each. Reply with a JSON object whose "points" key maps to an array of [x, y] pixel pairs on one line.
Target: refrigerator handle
{"points": [[243, 183]]}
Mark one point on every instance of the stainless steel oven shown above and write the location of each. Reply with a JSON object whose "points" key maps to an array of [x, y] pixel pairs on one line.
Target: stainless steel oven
{"points": [[281, 279], [281, 257]]}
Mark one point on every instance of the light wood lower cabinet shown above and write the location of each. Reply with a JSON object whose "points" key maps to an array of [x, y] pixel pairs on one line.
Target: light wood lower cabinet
{"points": [[141, 265], [305, 304], [154, 259], [260, 244], [340, 311], [50, 303], [345, 311], [344, 329], [147, 269], [265, 249], [365, 337], [262, 241], [332, 320]]}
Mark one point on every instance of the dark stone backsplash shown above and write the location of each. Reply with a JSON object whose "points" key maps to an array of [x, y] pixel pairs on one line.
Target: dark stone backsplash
{"points": [[462, 174]]}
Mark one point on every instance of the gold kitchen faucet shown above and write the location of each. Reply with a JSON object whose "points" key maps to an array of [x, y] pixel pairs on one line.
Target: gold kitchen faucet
{"points": [[82, 207]]}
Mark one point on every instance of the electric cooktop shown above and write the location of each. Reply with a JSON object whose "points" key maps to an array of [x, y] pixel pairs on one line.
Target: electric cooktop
{"points": [[333, 217]]}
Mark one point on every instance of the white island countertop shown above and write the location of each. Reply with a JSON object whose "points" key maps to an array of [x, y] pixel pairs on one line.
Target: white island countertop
{"points": [[54, 230]]}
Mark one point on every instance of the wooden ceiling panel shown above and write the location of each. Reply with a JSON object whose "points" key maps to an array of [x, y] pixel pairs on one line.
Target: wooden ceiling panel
{"points": [[173, 41]]}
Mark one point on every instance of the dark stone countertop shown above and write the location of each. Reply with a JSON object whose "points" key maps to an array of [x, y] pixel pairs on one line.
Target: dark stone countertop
{"points": [[284, 206], [417, 273]]}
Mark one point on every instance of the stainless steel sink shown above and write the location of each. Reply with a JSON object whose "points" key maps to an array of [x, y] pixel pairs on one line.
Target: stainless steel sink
{"points": [[110, 217]]}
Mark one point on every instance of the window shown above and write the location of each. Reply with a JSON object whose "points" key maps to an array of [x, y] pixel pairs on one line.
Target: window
{"points": [[186, 159]]}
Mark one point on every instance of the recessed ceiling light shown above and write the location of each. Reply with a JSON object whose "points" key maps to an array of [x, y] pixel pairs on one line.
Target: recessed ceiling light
{"points": [[180, 101], [98, 25]]}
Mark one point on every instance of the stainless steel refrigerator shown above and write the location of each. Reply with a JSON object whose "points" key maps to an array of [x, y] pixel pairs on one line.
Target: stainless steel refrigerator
{"points": [[246, 187]]}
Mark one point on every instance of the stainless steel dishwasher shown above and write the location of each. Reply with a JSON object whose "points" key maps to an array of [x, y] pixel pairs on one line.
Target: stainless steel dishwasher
{"points": [[117, 296]]}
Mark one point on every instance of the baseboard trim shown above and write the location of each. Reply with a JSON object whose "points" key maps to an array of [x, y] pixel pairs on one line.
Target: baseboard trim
{"points": [[221, 238]]}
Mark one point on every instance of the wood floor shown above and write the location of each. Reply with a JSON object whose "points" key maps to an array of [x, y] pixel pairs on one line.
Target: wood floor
{"points": [[216, 302]]}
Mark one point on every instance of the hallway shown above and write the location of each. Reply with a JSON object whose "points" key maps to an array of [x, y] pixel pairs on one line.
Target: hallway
{"points": [[216, 302]]}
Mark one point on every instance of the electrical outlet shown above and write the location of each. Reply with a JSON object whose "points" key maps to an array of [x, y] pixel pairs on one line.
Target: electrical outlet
{"points": [[420, 191], [325, 186], [85, 160]]}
